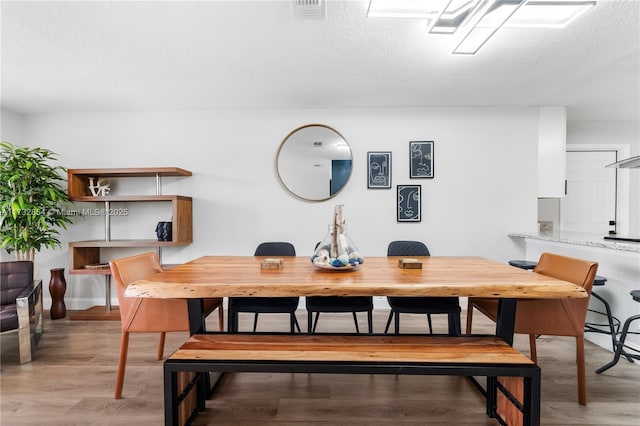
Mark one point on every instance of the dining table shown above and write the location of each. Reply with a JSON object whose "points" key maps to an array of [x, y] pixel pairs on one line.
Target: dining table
{"points": [[297, 276], [437, 276]]}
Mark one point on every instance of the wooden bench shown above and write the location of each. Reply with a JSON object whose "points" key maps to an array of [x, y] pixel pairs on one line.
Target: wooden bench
{"points": [[513, 380]]}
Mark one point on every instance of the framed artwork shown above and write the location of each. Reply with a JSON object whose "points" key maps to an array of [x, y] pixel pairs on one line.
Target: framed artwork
{"points": [[379, 170], [421, 159], [409, 203]]}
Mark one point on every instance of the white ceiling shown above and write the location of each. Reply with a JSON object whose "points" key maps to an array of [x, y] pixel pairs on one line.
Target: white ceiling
{"points": [[156, 55]]}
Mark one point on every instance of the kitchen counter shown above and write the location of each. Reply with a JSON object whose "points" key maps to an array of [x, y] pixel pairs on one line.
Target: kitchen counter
{"points": [[579, 238]]}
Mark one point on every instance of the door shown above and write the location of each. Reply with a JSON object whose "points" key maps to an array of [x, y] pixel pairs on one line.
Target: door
{"points": [[590, 202]]}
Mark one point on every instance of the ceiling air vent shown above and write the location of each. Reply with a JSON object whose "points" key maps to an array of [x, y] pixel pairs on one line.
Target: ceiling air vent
{"points": [[309, 9]]}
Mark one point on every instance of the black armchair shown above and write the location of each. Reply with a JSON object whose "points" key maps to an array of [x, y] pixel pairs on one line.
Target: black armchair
{"points": [[21, 306], [258, 305], [421, 305]]}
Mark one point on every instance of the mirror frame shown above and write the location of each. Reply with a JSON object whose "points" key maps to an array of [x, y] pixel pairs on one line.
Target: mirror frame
{"points": [[282, 144]]}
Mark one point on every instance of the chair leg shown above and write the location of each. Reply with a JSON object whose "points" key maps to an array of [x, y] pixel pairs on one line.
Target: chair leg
{"points": [[309, 322], [397, 323], [315, 322], [469, 316], [386, 329], [613, 330], [430, 325], [619, 345], [161, 345], [355, 321], [220, 317], [255, 322], [370, 321], [122, 363], [582, 376], [295, 321], [533, 349]]}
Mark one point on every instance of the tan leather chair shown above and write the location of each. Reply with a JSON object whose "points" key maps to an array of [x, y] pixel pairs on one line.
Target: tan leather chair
{"points": [[552, 317], [139, 315]]}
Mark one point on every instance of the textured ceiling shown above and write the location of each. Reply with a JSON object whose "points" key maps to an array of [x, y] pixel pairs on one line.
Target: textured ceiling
{"points": [[132, 56]]}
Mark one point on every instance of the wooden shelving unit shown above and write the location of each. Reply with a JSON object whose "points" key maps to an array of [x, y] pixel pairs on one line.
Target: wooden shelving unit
{"points": [[83, 253]]}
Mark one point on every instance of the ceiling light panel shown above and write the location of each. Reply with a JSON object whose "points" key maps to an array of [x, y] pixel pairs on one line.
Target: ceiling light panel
{"points": [[548, 13], [421, 9], [494, 17], [455, 15]]}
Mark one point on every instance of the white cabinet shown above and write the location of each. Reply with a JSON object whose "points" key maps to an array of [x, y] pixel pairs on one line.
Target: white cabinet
{"points": [[552, 146]]}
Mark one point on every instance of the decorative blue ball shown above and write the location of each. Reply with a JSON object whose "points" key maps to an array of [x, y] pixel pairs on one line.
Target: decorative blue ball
{"points": [[336, 263]]}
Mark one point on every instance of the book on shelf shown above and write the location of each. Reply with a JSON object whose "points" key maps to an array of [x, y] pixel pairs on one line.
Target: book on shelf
{"points": [[97, 266]]}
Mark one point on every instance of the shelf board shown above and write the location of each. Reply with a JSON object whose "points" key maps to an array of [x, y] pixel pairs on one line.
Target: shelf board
{"points": [[131, 172], [107, 271], [127, 243], [128, 198], [83, 271]]}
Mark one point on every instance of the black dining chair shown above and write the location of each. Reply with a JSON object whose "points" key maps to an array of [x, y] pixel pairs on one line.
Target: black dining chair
{"points": [[338, 304], [420, 305], [263, 305]]}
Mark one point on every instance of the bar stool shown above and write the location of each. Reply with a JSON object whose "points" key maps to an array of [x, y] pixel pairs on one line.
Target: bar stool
{"points": [[620, 346], [523, 264], [613, 323]]}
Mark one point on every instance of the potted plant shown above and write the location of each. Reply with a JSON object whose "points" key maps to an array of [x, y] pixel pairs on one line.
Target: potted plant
{"points": [[32, 200], [32, 209]]}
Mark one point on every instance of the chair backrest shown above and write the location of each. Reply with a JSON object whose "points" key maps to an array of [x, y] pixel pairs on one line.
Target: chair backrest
{"points": [[577, 271], [407, 248], [275, 249], [142, 314], [557, 317], [14, 277]]}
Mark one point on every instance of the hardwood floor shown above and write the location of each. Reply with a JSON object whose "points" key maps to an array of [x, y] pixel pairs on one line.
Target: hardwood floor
{"points": [[71, 382]]}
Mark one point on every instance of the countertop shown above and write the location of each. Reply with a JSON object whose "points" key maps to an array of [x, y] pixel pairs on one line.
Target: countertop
{"points": [[579, 238]]}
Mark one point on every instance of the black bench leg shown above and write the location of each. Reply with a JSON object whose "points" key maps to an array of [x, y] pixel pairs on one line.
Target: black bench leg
{"points": [[491, 395], [531, 415], [170, 397], [530, 403]]}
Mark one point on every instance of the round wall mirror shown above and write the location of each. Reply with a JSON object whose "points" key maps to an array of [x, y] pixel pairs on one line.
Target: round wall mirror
{"points": [[314, 162]]}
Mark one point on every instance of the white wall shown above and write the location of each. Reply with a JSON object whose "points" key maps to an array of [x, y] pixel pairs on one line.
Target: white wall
{"points": [[12, 126], [485, 181]]}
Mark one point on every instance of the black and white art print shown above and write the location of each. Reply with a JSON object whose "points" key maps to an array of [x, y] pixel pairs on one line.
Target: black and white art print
{"points": [[421, 159], [379, 170], [409, 203]]}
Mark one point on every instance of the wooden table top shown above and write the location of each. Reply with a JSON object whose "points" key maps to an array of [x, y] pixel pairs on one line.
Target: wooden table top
{"points": [[238, 276]]}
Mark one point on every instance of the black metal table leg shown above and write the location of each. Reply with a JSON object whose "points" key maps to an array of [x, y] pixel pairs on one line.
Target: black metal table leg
{"points": [[506, 319]]}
